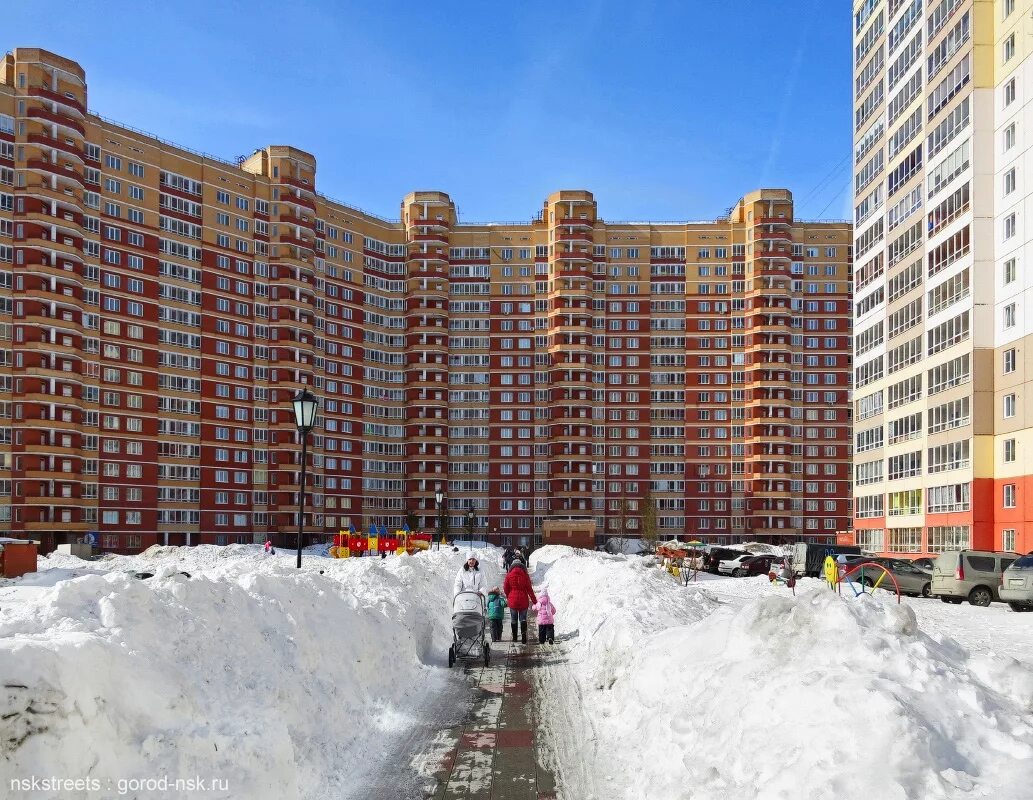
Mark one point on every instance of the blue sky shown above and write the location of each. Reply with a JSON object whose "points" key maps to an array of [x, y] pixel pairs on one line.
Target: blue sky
{"points": [[666, 111]]}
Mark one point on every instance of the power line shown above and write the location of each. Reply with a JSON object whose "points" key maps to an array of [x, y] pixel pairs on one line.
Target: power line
{"points": [[830, 176], [835, 197]]}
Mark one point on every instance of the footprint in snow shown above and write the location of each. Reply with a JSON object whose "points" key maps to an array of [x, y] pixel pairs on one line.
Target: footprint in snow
{"points": [[25, 712]]}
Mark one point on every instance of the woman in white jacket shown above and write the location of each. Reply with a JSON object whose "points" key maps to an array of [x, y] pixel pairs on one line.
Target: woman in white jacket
{"points": [[469, 578]]}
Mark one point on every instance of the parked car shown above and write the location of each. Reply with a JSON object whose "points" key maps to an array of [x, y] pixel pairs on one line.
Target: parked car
{"points": [[924, 564], [1017, 584], [715, 555], [972, 574], [758, 565], [729, 566], [911, 580]]}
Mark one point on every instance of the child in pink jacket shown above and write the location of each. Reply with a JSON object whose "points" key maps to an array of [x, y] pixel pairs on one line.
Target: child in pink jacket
{"points": [[546, 618]]}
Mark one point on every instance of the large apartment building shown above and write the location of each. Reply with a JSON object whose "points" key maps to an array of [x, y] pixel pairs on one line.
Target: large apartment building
{"points": [[161, 306], [941, 414]]}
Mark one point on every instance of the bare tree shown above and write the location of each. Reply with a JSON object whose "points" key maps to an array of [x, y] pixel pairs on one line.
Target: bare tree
{"points": [[650, 530], [412, 519]]}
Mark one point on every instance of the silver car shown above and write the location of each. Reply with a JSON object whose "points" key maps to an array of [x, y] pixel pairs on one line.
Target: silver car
{"points": [[1017, 584], [911, 580], [974, 575]]}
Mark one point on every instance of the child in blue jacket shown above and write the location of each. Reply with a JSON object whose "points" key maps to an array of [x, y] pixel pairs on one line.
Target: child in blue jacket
{"points": [[496, 612]]}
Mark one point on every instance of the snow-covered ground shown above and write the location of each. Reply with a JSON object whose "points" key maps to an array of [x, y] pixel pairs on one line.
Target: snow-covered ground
{"points": [[733, 688], [318, 683], [282, 683]]}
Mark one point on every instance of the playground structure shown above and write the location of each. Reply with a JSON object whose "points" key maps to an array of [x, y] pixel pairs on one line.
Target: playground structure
{"points": [[865, 584], [346, 545], [683, 560]]}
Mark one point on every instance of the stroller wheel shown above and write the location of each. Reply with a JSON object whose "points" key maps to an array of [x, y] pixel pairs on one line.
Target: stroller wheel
{"points": [[451, 655], [487, 654]]}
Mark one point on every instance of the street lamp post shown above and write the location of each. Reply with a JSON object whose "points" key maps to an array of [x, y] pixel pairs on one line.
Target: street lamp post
{"points": [[471, 521], [305, 405], [439, 498]]}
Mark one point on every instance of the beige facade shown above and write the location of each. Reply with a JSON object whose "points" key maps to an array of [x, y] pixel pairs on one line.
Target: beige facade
{"points": [[934, 310]]}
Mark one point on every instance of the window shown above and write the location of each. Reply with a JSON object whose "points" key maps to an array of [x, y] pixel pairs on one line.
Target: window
{"points": [[1008, 361], [1009, 137], [1009, 92], [1008, 498], [1009, 271], [949, 537], [1009, 48], [1009, 226], [1009, 316], [1009, 181], [1008, 539], [1009, 451], [1009, 405]]}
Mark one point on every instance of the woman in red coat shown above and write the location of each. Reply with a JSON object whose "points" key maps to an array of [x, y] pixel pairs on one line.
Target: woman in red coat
{"points": [[519, 597]]}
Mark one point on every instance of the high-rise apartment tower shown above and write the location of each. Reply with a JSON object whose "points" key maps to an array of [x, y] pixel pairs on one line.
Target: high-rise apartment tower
{"points": [[940, 431], [159, 307]]}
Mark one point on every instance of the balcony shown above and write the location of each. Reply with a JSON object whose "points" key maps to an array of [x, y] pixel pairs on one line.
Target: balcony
{"points": [[435, 256], [579, 224], [435, 239], [57, 119], [56, 97], [579, 256], [425, 222], [65, 146]]}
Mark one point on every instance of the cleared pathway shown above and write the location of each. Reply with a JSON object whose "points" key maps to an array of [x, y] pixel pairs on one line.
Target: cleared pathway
{"points": [[496, 753]]}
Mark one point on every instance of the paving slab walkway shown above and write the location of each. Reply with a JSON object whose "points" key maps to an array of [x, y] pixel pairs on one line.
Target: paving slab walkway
{"points": [[495, 754]]}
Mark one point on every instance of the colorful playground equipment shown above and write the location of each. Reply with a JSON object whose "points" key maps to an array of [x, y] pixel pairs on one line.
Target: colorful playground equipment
{"points": [[683, 560], [349, 544], [863, 578]]}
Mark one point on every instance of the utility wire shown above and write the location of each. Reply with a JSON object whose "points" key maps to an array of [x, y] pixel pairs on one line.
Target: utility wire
{"points": [[835, 197], [830, 176]]}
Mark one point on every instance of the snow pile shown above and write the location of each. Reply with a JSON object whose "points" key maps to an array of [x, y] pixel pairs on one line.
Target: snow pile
{"points": [[776, 697], [275, 680], [610, 602]]}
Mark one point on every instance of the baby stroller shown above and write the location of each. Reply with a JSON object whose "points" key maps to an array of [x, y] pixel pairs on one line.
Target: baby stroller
{"points": [[468, 629]]}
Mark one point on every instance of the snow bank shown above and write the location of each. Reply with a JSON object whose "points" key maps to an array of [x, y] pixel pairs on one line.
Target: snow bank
{"points": [[778, 697], [284, 683]]}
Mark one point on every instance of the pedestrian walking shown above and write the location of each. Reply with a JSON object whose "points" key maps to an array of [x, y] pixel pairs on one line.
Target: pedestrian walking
{"points": [[469, 578], [519, 597], [546, 618], [507, 557], [496, 612]]}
